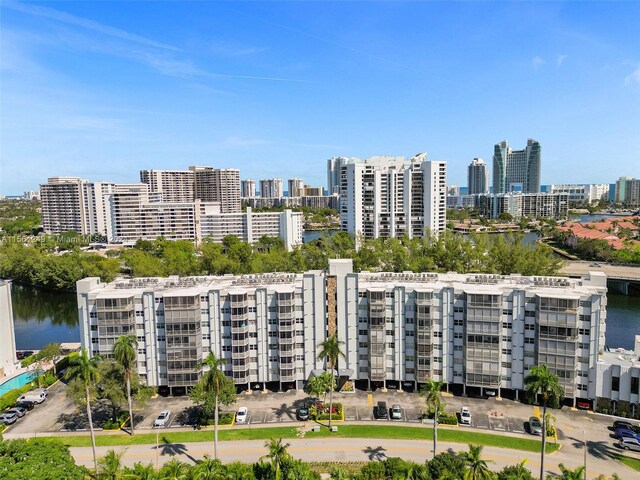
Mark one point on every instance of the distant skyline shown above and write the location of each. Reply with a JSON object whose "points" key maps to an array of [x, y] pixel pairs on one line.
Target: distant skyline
{"points": [[101, 90]]}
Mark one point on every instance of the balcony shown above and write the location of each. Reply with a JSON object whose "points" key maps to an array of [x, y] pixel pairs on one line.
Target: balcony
{"points": [[240, 304], [240, 328], [240, 354], [284, 351], [287, 340], [288, 375], [286, 326], [239, 342]]}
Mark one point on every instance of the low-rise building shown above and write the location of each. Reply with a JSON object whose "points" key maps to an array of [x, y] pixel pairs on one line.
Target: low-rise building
{"points": [[619, 386]]}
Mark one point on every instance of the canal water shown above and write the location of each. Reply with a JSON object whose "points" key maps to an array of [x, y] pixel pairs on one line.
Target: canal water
{"points": [[43, 317]]}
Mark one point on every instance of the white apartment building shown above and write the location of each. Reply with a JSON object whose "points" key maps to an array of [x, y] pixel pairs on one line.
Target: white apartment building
{"points": [[74, 204], [582, 193], [174, 185], [8, 361], [390, 196], [619, 373], [249, 226], [530, 205], [314, 201], [272, 188], [474, 332], [478, 177], [248, 188]]}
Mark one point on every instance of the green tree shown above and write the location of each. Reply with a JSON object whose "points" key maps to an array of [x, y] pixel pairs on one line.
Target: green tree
{"points": [[476, 467], [277, 455], [541, 381], [568, 474], [140, 472], [174, 469], [446, 466], [125, 352], [213, 384], [319, 385], [339, 473], [431, 394], [110, 466], [515, 472], [85, 370], [208, 469], [331, 351], [49, 353], [38, 459]]}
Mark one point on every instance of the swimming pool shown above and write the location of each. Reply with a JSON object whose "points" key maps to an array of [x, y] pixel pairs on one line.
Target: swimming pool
{"points": [[17, 382]]}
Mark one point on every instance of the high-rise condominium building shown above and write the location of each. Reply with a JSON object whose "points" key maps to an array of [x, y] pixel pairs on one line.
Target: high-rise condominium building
{"points": [[518, 205], [334, 169], [474, 332], [628, 191], [8, 361], [218, 185], [174, 185], [516, 170], [392, 197], [295, 187], [478, 177], [272, 188], [70, 204], [582, 193], [248, 189]]}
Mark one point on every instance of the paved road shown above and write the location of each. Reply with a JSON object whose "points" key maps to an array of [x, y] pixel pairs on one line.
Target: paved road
{"points": [[576, 268], [356, 449]]}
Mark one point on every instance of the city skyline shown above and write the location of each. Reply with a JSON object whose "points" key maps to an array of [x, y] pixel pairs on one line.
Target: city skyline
{"points": [[97, 92]]}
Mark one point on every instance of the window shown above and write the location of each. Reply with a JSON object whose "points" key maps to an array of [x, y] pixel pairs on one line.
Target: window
{"points": [[391, 345], [584, 331], [409, 321], [363, 356], [458, 322], [583, 345], [615, 384], [506, 312], [530, 327], [363, 332], [390, 332], [506, 364], [363, 344], [506, 351], [582, 387], [458, 309], [507, 325], [410, 333], [457, 348], [226, 323], [458, 335], [635, 384], [529, 341], [437, 334], [226, 348], [585, 318], [584, 303]]}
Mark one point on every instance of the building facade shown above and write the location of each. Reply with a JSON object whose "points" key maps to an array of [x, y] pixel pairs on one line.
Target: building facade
{"points": [[295, 187], [516, 170], [8, 361], [271, 188], [518, 205], [386, 197], [474, 332], [220, 185], [477, 177], [174, 185], [248, 189], [582, 193], [628, 191]]}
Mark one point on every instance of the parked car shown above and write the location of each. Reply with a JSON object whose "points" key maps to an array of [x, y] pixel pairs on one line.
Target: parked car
{"points": [[40, 391], [302, 414], [8, 418], [381, 411], [19, 411], [25, 404], [465, 416], [23, 354], [626, 425], [396, 412], [629, 443], [535, 426], [241, 415], [162, 419], [624, 432], [33, 397]]}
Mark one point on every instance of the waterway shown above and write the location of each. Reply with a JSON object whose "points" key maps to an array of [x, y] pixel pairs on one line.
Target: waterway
{"points": [[43, 317]]}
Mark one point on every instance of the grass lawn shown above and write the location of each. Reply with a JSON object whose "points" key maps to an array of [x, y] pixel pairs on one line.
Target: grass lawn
{"points": [[629, 462], [344, 431]]}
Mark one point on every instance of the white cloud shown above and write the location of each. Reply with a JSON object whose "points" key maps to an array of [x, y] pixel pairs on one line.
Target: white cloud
{"points": [[633, 77], [560, 60], [536, 62]]}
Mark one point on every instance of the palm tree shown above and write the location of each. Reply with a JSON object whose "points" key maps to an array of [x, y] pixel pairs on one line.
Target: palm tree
{"points": [[140, 472], [174, 470], [208, 469], [330, 350], [212, 381], [568, 474], [277, 454], [477, 468], [110, 465], [125, 351], [542, 381], [85, 369], [431, 393]]}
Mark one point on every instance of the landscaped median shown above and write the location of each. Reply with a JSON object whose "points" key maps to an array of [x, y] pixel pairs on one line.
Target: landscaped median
{"points": [[345, 431]]}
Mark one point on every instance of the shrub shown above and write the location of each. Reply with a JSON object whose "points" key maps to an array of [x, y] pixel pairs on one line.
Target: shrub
{"points": [[320, 411], [225, 418], [448, 419]]}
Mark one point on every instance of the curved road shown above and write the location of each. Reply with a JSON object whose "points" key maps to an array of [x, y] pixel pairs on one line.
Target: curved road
{"points": [[358, 450]]}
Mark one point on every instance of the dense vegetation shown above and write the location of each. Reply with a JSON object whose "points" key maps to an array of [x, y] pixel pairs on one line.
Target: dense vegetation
{"points": [[44, 264], [21, 459], [600, 250], [20, 216]]}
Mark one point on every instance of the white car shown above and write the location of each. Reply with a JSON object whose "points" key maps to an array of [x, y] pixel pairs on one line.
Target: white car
{"points": [[162, 419], [241, 415], [19, 411], [465, 416]]}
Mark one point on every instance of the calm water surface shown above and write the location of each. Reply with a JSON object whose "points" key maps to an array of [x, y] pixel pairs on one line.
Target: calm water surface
{"points": [[43, 317]]}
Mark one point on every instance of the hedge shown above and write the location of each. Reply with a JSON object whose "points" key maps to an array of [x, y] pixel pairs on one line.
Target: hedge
{"points": [[226, 418]]}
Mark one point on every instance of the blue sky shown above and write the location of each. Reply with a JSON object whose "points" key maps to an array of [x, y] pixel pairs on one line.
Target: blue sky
{"points": [[101, 90]]}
